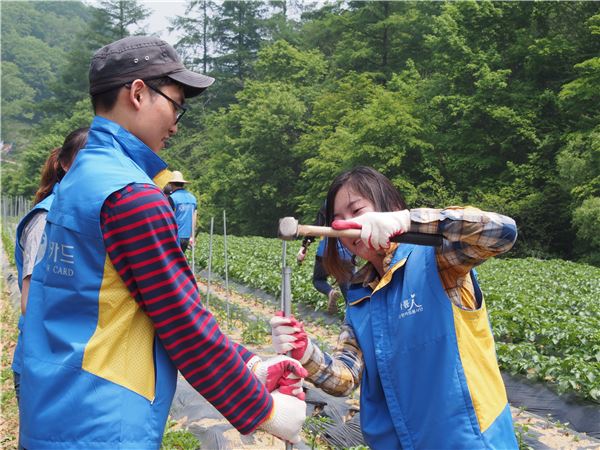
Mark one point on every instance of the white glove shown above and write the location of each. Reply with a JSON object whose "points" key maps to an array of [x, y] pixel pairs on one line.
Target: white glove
{"points": [[282, 373], [286, 418], [288, 335], [377, 228]]}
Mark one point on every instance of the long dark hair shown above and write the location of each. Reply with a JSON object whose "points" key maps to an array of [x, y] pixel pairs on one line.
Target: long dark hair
{"points": [[372, 185], [60, 157]]}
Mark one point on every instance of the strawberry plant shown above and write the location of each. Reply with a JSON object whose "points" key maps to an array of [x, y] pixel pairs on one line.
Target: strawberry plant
{"points": [[545, 313]]}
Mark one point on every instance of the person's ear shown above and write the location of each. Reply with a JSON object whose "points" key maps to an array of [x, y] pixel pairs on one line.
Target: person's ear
{"points": [[135, 93]]}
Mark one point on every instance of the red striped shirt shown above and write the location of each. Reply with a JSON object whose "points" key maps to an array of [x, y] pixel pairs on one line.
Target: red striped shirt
{"points": [[141, 240]]}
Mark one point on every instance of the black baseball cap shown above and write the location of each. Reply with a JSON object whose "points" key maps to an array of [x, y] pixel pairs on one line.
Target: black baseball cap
{"points": [[143, 57]]}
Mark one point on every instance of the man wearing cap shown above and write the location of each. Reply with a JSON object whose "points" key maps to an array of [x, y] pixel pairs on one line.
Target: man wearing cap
{"points": [[114, 310], [185, 206]]}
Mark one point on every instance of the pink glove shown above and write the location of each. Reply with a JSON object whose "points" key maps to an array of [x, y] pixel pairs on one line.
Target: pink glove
{"points": [[377, 228], [288, 335], [283, 373]]}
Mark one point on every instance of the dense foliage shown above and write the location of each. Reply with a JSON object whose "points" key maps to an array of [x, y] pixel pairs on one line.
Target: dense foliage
{"points": [[495, 104], [545, 314]]}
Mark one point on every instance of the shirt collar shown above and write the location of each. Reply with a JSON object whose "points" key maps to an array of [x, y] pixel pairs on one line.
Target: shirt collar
{"points": [[134, 148]]}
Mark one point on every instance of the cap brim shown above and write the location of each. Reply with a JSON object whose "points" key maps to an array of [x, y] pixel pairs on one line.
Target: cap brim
{"points": [[193, 83]]}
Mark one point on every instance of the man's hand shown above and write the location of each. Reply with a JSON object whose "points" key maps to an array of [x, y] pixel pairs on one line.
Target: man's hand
{"points": [[377, 228], [283, 373], [286, 418], [288, 335], [191, 241]]}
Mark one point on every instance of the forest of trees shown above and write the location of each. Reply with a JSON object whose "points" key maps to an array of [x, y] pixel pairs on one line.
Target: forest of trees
{"points": [[494, 104]]}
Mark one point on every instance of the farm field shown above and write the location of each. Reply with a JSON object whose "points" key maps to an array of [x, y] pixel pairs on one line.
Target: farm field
{"points": [[545, 314]]}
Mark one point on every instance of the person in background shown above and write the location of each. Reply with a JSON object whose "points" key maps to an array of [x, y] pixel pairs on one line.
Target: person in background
{"points": [[320, 274], [114, 310], [186, 210], [31, 227], [308, 240], [416, 336]]}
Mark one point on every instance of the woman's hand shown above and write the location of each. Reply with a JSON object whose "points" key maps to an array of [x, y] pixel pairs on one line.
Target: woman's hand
{"points": [[377, 228], [283, 373], [288, 335]]}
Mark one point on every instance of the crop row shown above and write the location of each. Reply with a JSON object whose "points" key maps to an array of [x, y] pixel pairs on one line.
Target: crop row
{"points": [[545, 314]]}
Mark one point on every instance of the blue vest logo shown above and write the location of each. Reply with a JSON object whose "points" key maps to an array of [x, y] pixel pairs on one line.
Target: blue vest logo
{"points": [[408, 307], [61, 259]]}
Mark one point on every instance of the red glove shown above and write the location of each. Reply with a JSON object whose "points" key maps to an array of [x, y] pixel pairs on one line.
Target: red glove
{"points": [[283, 373], [288, 335]]}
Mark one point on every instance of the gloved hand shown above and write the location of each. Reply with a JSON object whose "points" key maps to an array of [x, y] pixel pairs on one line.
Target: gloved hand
{"points": [[283, 373], [286, 418], [301, 254], [288, 335], [377, 228]]}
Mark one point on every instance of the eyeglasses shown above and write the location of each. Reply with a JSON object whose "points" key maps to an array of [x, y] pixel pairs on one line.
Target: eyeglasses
{"points": [[179, 109]]}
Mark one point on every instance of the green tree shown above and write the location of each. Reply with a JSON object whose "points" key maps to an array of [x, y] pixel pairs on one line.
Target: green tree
{"points": [[586, 219], [112, 20], [579, 158], [252, 167], [197, 28], [23, 179], [122, 15], [35, 39], [238, 33]]}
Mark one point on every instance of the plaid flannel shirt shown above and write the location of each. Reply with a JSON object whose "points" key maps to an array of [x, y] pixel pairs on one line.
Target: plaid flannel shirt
{"points": [[471, 236]]}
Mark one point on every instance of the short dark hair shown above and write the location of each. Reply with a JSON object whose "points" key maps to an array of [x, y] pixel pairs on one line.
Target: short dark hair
{"points": [[106, 100], [372, 185]]}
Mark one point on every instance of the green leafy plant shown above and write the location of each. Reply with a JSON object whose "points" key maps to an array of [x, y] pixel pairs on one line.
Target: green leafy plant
{"points": [[176, 438], [314, 427], [545, 314], [521, 432], [255, 332]]}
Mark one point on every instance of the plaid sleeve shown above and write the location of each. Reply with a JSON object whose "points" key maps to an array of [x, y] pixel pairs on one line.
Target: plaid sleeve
{"points": [[471, 236], [337, 374]]}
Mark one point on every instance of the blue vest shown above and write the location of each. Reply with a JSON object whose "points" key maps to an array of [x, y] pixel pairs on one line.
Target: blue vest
{"points": [[430, 378], [185, 205], [44, 205], [95, 376]]}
